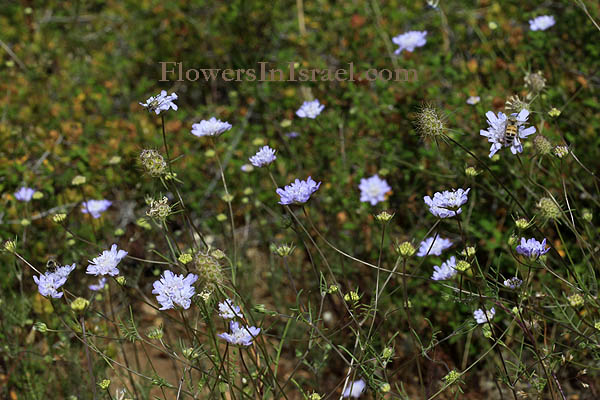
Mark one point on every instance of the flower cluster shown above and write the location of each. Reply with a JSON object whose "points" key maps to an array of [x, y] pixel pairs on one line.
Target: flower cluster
{"points": [[513, 283], [24, 194], [172, 289], [409, 41], [541, 23], [482, 317], [433, 246], [160, 102], [355, 388], [95, 207], [49, 282], [373, 189], [446, 271], [106, 263], [228, 310], [310, 109], [496, 132], [264, 156], [212, 127], [447, 203], [298, 192], [532, 248], [240, 335]]}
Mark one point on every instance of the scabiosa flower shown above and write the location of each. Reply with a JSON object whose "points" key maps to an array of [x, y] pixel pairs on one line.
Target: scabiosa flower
{"points": [[95, 207], [355, 389], [483, 317], [106, 263], [541, 23], [497, 130], [212, 127], [240, 335], [292, 135], [49, 282], [532, 248], [228, 310], [446, 271], [264, 156], [161, 102], [433, 246], [99, 285], [24, 194], [473, 100], [298, 192], [409, 41], [172, 289], [447, 203], [310, 109], [373, 189], [513, 283]]}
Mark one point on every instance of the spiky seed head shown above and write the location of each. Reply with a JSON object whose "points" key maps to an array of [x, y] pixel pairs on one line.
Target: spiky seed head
{"points": [[542, 145], [430, 122], [159, 209], [209, 271], [153, 162], [548, 208], [535, 81], [515, 104]]}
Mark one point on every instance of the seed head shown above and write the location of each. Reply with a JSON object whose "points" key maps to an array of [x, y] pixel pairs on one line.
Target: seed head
{"points": [[463, 265], [515, 104], [535, 81], [209, 271], [542, 145], [384, 216], [576, 300], [548, 208], [284, 250], [159, 209], [561, 151], [429, 122], [405, 249], [452, 377], [153, 162], [522, 223], [185, 258], [79, 304]]}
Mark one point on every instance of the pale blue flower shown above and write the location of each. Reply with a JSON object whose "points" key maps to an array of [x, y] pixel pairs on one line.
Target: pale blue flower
{"points": [[49, 282], [172, 289], [447, 203], [292, 135], [106, 263], [446, 271], [355, 389], [310, 109], [298, 192], [212, 127], [264, 156], [532, 248], [228, 310], [497, 130], [433, 246], [240, 335], [24, 194], [161, 102], [513, 283], [373, 189], [95, 207], [99, 286], [473, 100], [541, 23], [483, 317], [409, 41]]}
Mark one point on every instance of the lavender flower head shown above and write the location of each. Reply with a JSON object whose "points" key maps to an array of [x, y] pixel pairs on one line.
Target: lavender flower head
{"points": [[497, 130], [532, 248], [482, 317], [106, 263], [160, 102], [310, 109], [228, 310], [24, 194], [409, 41], [298, 192], [355, 389], [99, 285], [433, 246], [513, 283], [240, 335], [49, 282], [264, 156], [212, 127], [541, 23], [95, 207], [447, 203], [172, 289], [446, 271], [373, 189]]}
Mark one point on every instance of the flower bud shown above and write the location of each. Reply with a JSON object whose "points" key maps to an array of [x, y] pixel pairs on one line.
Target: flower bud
{"points": [[40, 327], [561, 151], [576, 300], [462, 266], [384, 216], [104, 384], [405, 249], [79, 304], [78, 180]]}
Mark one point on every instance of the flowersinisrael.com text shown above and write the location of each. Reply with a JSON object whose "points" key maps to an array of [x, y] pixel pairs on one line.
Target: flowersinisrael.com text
{"points": [[176, 71]]}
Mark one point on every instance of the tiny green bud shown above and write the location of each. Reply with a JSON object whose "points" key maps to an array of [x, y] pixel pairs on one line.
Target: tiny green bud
{"points": [[405, 249], [38, 195], [10, 246], [492, 25], [227, 198], [385, 387], [463, 265], [210, 153], [452, 377], [285, 250], [352, 296], [218, 254], [315, 396], [78, 180], [513, 240], [384, 216], [576, 300], [104, 384], [40, 327], [119, 232], [470, 171], [58, 218], [332, 289], [204, 295], [25, 222], [221, 217], [190, 353], [522, 223], [121, 280], [561, 151], [114, 160], [554, 112], [285, 123], [587, 215], [258, 142], [79, 304], [185, 258], [248, 191], [155, 333]]}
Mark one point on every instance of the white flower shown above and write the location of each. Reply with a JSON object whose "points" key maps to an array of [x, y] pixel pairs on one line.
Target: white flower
{"points": [[541, 23], [310, 109], [212, 127], [473, 100], [264, 156], [446, 271], [106, 263], [228, 310], [161, 102], [433, 246], [482, 317], [409, 41], [355, 389], [497, 130]]}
